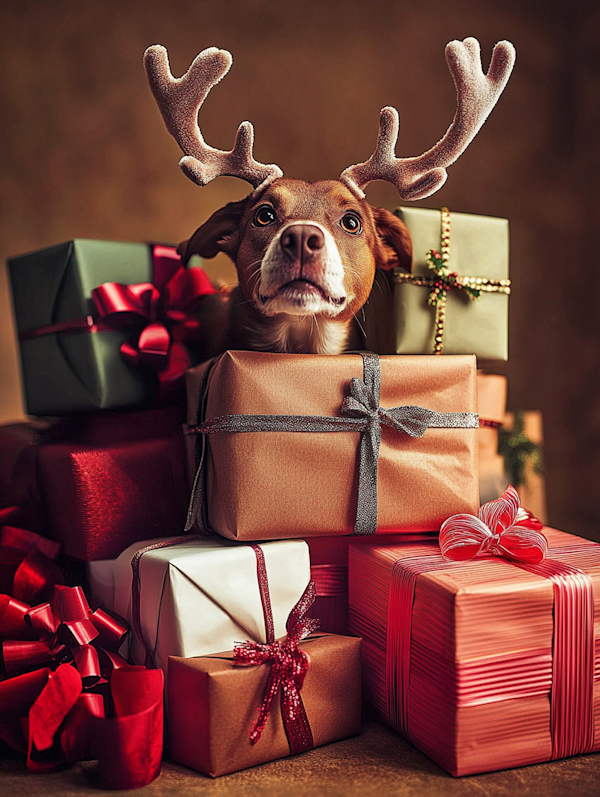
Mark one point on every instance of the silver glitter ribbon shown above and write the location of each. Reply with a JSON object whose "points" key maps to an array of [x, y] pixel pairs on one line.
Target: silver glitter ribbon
{"points": [[360, 412]]}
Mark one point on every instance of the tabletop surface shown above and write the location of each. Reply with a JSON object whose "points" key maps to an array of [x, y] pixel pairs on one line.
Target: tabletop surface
{"points": [[377, 763]]}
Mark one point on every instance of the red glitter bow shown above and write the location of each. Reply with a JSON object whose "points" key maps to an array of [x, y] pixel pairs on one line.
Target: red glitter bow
{"points": [[162, 310], [289, 666], [502, 527]]}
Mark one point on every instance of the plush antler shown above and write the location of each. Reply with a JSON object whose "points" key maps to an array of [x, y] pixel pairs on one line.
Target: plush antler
{"points": [[416, 178], [180, 99]]}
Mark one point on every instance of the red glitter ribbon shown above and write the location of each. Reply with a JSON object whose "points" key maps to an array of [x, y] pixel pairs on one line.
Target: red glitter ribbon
{"points": [[160, 313], [501, 527], [288, 668], [573, 664]]}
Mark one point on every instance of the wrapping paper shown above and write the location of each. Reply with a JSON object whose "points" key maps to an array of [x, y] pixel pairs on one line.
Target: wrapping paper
{"points": [[492, 391], [19, 482], [96, 483], [212, 705], [398, 318], [78, 366], [101, 499], [201, 596], [329, 571], [269, 485], [481, 652]]}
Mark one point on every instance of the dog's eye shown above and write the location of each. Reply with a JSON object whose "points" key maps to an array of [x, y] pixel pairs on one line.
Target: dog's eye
{"points": [[350, 222], [264, 215]]}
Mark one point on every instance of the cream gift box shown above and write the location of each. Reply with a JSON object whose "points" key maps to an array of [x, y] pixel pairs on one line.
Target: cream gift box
{"points": [[200, 596]]}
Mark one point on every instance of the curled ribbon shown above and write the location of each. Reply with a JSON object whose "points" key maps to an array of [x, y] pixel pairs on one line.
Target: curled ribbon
{"points": [[62, 672], [161, 313], [289, 666], [502, 527]]}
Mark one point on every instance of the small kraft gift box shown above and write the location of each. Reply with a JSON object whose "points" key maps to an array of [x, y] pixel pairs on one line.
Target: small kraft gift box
{"points": [[455, 300], [103, 324], [486, 663], [186, 596], [307, 445], [491, 402], [260, 702]]}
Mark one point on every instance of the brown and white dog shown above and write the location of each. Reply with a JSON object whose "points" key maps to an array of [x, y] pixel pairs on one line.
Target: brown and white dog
{"points": [[306, 253]]}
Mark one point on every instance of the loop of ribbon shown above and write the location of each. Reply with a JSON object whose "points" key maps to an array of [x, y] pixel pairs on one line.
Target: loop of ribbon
{"points": [[60, 670], [502, 528], [160, 315], [288, 667], [359, 412], [445, 280]]}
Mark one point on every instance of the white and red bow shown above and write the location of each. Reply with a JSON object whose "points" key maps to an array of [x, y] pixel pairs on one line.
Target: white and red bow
{"points": [[502, 527]]}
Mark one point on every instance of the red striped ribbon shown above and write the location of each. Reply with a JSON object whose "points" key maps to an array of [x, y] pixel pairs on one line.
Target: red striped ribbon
{"points": [[571, 695]]}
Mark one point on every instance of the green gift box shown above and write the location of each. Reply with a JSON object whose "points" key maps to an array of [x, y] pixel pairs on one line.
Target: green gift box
{"points": [[471, 260], [71, 356]]}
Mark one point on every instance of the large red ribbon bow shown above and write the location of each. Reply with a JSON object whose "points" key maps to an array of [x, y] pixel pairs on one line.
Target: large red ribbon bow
{"points": [[161, 313], [289, 666], [502, 527], [62, 673]]}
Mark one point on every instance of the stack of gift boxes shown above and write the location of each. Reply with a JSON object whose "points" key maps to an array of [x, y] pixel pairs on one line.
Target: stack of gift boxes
{"points": [[315, 487]]}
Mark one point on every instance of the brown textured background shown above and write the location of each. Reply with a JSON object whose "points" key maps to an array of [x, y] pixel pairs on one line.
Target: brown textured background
{"points": [[84, 153]]}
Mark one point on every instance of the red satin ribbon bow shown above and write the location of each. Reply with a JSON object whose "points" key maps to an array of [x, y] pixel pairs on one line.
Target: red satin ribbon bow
{"points": [[58, 665], [289, 666], [163, 310], [29, 572], [502, 527]]}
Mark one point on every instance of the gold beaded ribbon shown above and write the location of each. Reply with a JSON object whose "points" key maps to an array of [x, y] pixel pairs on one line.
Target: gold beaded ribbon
{"points": [[446, 280]]}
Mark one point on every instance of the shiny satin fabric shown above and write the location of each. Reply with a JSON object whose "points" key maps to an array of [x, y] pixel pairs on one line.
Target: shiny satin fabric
{"points": [[274, 485], [483, 664]]}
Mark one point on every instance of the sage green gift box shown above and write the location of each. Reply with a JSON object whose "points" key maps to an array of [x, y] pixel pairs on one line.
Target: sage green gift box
{"points": [[76, 371], [398, 318]]}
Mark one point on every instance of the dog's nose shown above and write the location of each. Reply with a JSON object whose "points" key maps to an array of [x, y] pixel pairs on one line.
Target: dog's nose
{"points": [[302, 241]]}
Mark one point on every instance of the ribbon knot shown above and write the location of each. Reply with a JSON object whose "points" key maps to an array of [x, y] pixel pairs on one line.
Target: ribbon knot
{"points": [[289, 666], [502, 527], [445, 281], [362, 403], [160, 315]]}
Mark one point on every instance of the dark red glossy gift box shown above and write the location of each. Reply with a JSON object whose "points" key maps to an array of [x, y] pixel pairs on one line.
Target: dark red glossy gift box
{"points": [[98, 483]]}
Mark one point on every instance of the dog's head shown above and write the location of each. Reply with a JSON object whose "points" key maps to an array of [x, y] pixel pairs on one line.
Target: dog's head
{"points": [[304, 248], [312, 248]]}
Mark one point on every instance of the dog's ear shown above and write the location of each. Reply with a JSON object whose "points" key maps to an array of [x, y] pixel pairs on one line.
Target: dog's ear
{"points": [[395, 245], [219, 234]]}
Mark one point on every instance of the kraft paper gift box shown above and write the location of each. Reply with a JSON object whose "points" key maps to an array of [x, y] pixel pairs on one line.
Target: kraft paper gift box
{"points": [[200, 596], [213, 705], [483, 664], [398, 316], [491, 392], [70, 346], [281, 484]]}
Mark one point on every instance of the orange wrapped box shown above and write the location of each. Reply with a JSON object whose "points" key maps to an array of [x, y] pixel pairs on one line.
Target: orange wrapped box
{"points": [[213, 705], [485, 664], [306, 445], [492, 390]]}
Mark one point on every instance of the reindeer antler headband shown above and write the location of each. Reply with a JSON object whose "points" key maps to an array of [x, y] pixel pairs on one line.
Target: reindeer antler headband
{"points": [[180, 100]]}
